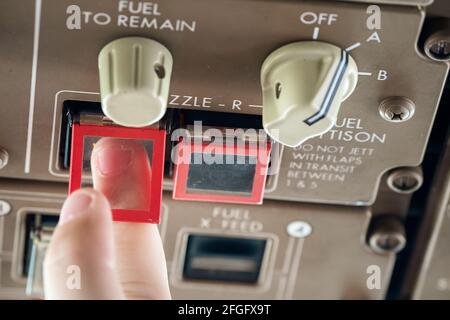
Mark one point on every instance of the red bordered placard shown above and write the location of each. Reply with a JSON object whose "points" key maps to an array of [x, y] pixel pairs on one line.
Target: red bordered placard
{"points": [[157, 137], [184, 151]]}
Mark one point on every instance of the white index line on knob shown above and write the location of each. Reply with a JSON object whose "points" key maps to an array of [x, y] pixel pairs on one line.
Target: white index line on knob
{"points": [[331, 92]]}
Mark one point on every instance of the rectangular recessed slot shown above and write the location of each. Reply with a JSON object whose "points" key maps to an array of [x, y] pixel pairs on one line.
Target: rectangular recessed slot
{"points": [[225, 259], [70, 112], [34, 222], [220, 119], [38, 231]]}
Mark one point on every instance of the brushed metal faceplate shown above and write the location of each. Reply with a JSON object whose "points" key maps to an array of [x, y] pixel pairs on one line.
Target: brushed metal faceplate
{"points": [[218, 48]]}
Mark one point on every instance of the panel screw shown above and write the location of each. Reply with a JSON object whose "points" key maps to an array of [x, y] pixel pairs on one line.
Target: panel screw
{"points": [[437, 46], [299, 229], [396, 109], [387, 235], [5, 208], [4, 157], [405, 180]]}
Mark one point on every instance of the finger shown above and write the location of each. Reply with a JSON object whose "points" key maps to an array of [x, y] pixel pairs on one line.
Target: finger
{"points": [[121, 170], [118, 165], [80, 260]]}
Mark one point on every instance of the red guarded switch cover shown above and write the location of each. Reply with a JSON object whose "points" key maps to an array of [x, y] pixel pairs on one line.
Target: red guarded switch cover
{"points": [[149, 141], [239, 176]]}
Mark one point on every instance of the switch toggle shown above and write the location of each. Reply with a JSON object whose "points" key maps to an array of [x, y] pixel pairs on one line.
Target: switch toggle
{"points": [[134, 80], [304, 84], [147, 146]]}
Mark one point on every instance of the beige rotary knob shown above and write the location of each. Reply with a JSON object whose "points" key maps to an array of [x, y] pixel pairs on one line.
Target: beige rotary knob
{"points": [[304, 84], [134, 80]]}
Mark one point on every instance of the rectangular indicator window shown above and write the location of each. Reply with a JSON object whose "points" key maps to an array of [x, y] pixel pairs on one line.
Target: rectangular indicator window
{"points": [[236, 175], [38, 231], [221, 173], [150, 141], [226, 259]]}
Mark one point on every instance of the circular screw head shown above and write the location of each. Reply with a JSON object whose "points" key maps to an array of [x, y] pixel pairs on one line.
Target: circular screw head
{"points": [[387, 235], [387, 242], [4, 157], [440, 49], [437, 46], [5, 208], [396, 109], [299, 229], [405, 180]]}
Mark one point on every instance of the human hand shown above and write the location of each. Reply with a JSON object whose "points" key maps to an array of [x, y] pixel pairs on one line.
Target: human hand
{"points": [[116, 260]]}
